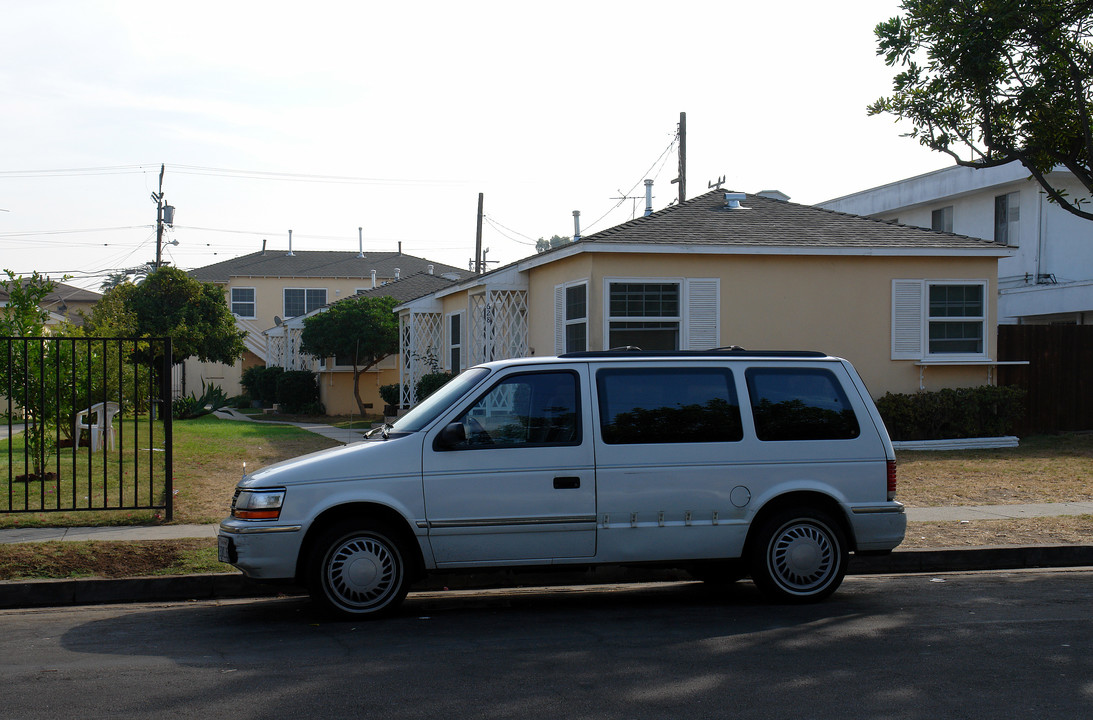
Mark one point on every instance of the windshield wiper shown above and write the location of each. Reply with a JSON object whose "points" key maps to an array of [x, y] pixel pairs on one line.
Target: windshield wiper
{"points": [[384, 430]]}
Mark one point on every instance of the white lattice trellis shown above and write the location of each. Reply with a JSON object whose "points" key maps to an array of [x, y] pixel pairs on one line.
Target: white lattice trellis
{"points": [[283, 350], [499, 325], [420, 348]]}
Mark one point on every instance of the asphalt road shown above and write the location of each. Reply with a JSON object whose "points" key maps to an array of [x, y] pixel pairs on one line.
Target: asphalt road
{"points": [[962, 645]]}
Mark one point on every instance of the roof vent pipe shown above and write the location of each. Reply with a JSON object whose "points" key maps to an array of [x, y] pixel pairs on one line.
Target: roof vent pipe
{"points": [[430, 269], [399, 247], [732, 201], [263, 246], [576, 225], [290, 253], [398, 271], [373, 278], [360, 242], [648, 196]]}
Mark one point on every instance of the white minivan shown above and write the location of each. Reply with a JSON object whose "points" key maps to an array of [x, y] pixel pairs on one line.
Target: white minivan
{"points": [[725, 462]]}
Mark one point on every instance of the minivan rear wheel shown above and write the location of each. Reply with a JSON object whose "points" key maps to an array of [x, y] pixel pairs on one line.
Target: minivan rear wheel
{"points": [[799, 555], [357, 571]]}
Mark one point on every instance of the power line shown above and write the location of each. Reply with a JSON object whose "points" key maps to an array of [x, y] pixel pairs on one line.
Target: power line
{"points": [[74, 172], [663, 156], [498, 227], [35, 233]]}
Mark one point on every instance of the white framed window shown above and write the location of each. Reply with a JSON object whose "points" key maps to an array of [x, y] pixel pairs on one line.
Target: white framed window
{"points": [[939, 319], [571, 317], [662, 313], [1007, 216], [243, 302], [301, 301], [456, 334], [942, 219], [644, 313]]}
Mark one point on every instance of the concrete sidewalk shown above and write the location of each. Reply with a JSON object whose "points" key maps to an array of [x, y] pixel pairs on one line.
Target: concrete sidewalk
{"points": [[342, 435]]}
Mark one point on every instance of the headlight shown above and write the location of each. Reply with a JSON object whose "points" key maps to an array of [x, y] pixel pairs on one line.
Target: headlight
{"points": [[258, 504]]}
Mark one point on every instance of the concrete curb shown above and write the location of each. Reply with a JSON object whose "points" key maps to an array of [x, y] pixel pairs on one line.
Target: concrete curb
{"points": [[53, 593]]}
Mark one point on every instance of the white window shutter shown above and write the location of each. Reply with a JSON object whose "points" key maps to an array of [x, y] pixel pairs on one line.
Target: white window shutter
{"points": [[559, 319], [907, 314], [703, 318]]}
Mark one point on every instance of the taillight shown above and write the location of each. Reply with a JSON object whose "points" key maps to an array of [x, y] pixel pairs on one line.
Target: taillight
{"points": [[891, 479]]}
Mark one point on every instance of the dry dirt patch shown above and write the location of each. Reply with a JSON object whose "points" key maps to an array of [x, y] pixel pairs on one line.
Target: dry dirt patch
{"points": [[1044, 469]]}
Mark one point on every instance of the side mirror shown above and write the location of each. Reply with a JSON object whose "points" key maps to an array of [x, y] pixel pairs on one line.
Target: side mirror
{"points": [[453, 434]]}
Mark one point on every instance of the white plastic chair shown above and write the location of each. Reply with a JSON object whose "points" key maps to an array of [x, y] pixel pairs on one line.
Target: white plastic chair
{"points": [[102, 425]]}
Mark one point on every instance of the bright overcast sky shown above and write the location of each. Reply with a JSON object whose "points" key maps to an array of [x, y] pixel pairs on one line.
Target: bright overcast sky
{"points": [[324, 117]]}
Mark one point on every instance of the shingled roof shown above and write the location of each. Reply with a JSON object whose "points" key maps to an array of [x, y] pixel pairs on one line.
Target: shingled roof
{"points": [[320, 264], [61, 293], [763, 222], [410, 288]]}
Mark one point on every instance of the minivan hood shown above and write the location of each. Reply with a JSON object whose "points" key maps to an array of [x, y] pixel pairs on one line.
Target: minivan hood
{"points": [[369, 457]]}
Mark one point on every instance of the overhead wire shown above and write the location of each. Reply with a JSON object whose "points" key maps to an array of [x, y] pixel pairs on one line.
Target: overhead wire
{"points": [[500, 228], [624, 198]]}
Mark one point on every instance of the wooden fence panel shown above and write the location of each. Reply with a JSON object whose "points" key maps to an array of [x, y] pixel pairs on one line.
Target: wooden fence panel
{"points": [[1058, 378]]}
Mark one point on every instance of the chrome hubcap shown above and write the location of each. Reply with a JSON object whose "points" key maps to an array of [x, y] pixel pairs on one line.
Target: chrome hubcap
{"points": [[362, 573], [803, 557]]}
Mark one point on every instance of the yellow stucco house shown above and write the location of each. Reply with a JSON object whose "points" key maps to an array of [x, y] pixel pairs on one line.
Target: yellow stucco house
{"points": [[269, 291], [910, 307]]}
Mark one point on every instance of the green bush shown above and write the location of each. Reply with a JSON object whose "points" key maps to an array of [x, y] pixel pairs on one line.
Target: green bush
{"points": [[391, 394], [261, 383], [428, 384], [297, 391], [984, 411]]}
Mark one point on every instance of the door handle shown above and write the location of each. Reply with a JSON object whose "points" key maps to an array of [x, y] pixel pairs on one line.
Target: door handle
{"points": [[566, 483]]}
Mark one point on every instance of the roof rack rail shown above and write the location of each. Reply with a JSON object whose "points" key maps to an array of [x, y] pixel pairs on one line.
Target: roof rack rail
{"points": [[733, 351]]}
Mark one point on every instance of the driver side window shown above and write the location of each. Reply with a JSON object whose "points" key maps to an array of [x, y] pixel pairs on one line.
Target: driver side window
{"points": [[534, 409]]}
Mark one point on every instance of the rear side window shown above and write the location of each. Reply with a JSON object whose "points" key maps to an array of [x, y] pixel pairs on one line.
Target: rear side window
{"points": [[668, 405], [799, 404]]}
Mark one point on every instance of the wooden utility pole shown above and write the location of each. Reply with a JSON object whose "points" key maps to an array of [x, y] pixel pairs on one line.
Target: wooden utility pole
{"points": [[682, 179], [158, 197], [478, 240], [165, 215]]}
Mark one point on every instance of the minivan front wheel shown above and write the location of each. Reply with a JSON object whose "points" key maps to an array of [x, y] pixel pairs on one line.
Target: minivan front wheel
{"points": [[358, 571], [799, 555]]}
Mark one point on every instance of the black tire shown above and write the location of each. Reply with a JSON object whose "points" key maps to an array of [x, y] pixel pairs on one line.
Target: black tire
{"points": [[799, 555], [358, 570]]}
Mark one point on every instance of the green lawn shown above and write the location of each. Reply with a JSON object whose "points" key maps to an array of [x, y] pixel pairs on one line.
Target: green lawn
{"points": [[209, 458]]}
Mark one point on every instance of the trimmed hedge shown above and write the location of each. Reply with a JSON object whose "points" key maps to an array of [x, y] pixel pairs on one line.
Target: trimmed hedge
{"points": [[261, 383], [430, 383], [984, 411], [391, 394], [298, 392]]}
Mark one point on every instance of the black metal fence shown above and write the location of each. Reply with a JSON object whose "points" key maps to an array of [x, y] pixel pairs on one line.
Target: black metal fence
{"points": [[88, 424]]}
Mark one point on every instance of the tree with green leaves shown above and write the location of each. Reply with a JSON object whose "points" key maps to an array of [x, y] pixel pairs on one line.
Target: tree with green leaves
{"points": [[990, 82], [542, 245], [22, 363], [194, 314], [23, 315], [363, 330]]}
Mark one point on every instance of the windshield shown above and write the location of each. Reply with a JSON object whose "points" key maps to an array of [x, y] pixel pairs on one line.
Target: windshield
{"points": [[428, 409]]}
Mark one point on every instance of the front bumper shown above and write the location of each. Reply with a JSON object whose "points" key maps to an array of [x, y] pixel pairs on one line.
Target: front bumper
{"points": [[262, 551]]}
